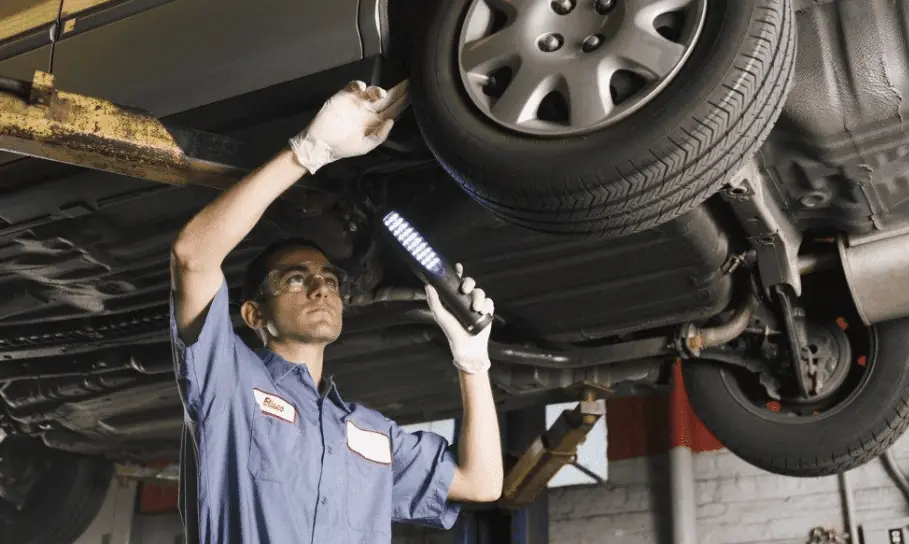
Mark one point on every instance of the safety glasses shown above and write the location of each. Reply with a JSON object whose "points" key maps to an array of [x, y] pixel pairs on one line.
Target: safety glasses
{"points": [[304, 276]]}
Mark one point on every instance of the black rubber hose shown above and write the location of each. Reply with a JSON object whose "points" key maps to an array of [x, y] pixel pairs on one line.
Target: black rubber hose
{"points": [[15, 86]]}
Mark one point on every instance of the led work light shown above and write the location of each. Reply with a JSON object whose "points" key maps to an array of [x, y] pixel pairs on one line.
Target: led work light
{"points": [[434, 270]]}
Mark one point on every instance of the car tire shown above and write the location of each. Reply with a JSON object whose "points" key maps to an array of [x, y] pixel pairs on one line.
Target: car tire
{"points": [[639, 172], [63, 503], [861, 427]]}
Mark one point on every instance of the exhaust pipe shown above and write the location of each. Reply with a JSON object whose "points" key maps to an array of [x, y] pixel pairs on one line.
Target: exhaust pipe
{"points": [[692, 339], [877, 270]]}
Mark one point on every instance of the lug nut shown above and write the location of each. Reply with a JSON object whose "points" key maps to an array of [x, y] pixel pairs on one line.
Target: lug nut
{"points": [[604, 6], [550, 42], [562, 7], [591, 43]]}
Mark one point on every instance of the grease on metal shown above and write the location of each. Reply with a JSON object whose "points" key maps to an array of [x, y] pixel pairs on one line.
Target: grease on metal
{"points": [[97, 134]]}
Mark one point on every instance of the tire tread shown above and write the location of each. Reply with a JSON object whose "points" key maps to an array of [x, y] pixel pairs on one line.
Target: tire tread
{"points": [[679, 177]]}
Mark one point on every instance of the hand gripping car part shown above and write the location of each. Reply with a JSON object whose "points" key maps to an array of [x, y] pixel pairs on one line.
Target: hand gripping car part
{"points": [[434, 270]]}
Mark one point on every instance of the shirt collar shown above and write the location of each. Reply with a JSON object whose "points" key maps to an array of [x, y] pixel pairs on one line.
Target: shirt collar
{"points": [[279, 367]]}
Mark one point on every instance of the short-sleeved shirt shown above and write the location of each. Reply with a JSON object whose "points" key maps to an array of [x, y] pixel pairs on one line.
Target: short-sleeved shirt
{"points": [[268, 456]]}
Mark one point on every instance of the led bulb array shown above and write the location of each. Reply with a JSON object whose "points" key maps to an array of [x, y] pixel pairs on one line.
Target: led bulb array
{"points": [[412, 241]]}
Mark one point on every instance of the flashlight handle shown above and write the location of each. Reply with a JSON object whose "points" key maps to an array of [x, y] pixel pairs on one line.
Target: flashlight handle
{"points": [[448, 285], [433, 270]]}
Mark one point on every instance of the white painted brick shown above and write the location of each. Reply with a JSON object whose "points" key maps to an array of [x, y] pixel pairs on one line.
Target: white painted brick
{"points": [[706, 491], [727, 533], [712, 511]]}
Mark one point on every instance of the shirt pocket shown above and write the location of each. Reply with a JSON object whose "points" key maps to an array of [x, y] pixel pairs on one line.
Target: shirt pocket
{"points": [[274, 449], [368, 493]]}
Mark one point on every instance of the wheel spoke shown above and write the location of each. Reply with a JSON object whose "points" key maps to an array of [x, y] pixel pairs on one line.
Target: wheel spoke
{"points": [[522, 97], [508, 7], [537, 52], [491, 52], [589, 99], [646, 50], [650, 9]]}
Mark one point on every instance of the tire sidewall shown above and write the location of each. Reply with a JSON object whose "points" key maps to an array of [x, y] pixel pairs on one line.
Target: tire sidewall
{"points": [[446, 114], [65, 502], [871, 418]]}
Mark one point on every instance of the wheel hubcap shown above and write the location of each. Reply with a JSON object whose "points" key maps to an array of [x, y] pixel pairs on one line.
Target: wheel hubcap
{"points": [[571, 66]]}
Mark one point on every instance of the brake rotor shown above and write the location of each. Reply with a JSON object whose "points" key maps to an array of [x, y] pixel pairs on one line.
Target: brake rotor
{"points": [[825, 359]]}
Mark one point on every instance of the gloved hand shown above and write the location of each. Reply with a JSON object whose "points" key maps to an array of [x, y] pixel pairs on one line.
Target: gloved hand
{"points": [[470, 352], [352, 122]]}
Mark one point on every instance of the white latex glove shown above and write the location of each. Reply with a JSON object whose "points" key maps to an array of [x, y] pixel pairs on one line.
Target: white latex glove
{"points": [[470, 352], [354, 121]]}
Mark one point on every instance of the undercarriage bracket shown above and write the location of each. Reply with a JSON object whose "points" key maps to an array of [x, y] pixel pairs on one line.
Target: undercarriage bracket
{"points": [[769, 229]]}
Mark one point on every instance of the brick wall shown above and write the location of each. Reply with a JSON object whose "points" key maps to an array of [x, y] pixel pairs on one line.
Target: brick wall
{"points": [[737, 504]]}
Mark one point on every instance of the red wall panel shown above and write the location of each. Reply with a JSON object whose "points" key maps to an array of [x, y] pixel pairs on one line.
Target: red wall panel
{"points": [[652, 424]]}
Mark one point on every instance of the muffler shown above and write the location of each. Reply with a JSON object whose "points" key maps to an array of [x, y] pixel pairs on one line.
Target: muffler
{"points": [[877, 270]]}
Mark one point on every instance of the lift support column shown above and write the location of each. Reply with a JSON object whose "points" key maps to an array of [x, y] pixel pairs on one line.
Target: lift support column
{"points": [[527, 525], [522, 514]]}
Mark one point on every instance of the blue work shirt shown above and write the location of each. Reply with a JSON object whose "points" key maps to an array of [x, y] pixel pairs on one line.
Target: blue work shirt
{"points": [[269, 457]]}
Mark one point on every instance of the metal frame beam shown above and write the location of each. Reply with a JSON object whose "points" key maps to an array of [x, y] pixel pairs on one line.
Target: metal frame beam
{"points": [[57, 125]]}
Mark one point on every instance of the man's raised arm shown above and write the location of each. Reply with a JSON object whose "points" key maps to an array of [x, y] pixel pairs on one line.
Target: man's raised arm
{"points": [[352, 122]]}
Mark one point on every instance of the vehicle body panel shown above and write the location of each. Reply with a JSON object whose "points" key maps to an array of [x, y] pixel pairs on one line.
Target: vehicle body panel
{"points": [[839, 151], [169, 56]]}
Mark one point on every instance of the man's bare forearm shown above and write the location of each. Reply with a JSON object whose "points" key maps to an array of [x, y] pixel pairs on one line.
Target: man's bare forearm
{"points": [[479, 444], [210, 236]]}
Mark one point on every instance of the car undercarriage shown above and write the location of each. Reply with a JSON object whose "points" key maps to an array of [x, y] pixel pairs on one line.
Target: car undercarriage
{"points": [[783, 291]]}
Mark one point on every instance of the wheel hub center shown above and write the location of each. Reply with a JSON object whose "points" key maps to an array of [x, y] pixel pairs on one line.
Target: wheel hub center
{"points": [[566, 29], [825, 360]]}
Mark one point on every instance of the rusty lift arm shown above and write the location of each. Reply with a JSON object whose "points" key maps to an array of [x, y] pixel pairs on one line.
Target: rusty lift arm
{"points": [[44, 122], [551, 451]]}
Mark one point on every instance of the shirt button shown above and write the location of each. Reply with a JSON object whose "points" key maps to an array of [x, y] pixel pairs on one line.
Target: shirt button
{"points": [[324, 500], [329, 450]]}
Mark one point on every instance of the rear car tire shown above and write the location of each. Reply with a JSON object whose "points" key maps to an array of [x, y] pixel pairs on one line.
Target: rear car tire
{"points": [[62, 504], [616, 178], [860, 428]]}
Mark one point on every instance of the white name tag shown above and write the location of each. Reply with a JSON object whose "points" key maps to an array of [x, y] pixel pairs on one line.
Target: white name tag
{"points": [[372, 445], [273, 405]]}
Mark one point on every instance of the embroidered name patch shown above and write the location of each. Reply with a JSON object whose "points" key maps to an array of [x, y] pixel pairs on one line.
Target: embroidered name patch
{"points": [[273, 405], [372, 445]]}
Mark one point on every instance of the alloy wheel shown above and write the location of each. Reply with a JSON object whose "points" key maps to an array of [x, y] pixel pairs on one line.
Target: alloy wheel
{"points": [[567, 67]]}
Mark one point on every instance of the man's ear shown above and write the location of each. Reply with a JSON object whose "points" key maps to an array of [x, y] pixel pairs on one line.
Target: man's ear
{"points": [[252, 315]]}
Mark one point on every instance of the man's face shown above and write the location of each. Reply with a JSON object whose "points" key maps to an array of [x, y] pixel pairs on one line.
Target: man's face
{"points": [[307, 306]]}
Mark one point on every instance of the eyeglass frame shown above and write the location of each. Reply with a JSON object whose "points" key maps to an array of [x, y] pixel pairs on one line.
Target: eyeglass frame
{"points": [[275, 275]]}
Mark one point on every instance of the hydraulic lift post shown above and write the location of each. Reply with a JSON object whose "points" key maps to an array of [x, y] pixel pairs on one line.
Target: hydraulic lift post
{"points": [[527, 525], [522, 516]]}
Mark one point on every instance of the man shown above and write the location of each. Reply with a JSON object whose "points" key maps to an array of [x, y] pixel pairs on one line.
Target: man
{"points": [[271, 452]]}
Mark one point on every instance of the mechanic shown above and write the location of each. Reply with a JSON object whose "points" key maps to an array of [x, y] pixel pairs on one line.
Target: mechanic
{"points": [[271, 452]]}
